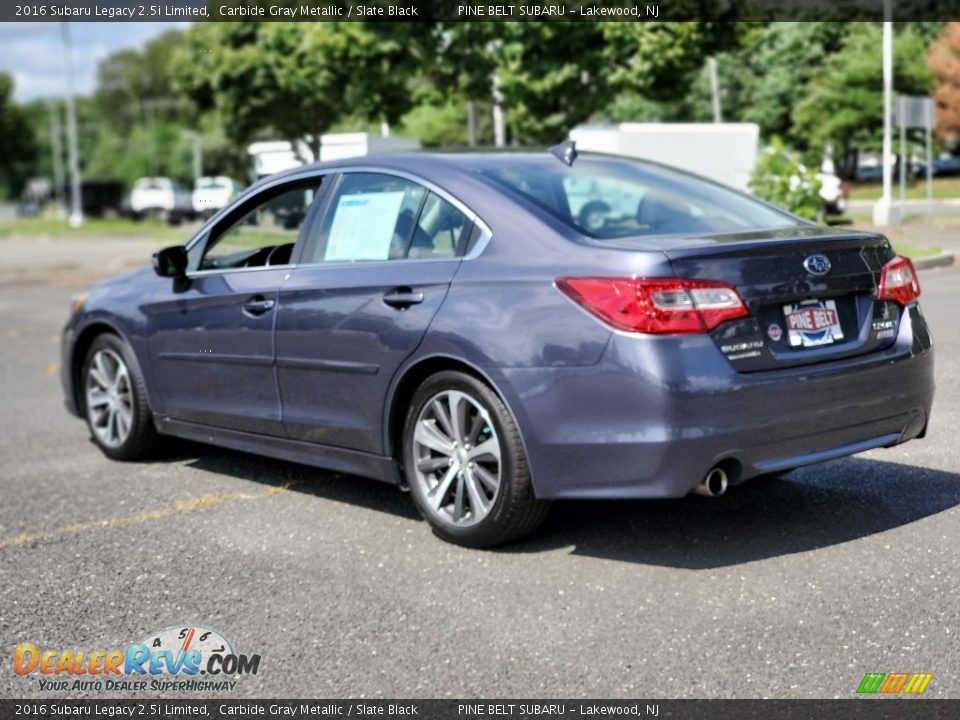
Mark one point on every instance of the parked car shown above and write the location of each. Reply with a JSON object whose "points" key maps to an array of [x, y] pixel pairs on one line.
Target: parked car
{"points": [[162, 198], [211, 194], [446, 323], [946, 165]]}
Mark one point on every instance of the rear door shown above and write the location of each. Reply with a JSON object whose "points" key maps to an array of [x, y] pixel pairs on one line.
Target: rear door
{"points": [[369, 283], [811, 294], [211, 334]]}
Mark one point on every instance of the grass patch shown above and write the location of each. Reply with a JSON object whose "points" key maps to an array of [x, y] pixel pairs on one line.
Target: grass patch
{"points": [[94, 227], [944, 188], [915, 251]]}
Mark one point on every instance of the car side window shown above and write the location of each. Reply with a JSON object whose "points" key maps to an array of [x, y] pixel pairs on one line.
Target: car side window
{"points": [[264, 233], [438, 229], [375, 217]]}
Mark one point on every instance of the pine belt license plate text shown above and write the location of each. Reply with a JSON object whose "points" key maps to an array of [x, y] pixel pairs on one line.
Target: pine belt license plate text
{"points": [[812, 322]]}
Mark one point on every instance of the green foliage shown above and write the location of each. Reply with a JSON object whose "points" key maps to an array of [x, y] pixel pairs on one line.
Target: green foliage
{"points": [[296, 79], [445, 124], [781, 178], [17, 147], [843, 103], [775, 69], [137, 86], [551, 76], [656, 59]]}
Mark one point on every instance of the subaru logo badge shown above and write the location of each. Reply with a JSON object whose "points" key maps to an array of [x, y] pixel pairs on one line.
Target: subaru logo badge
{"points": [[817, 265]]}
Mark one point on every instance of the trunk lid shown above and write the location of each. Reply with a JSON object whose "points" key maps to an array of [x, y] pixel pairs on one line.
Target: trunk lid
{"points": [[810, 292]]}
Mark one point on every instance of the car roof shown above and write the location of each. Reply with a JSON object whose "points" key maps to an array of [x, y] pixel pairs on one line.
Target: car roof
{"points": [[429, 163]]}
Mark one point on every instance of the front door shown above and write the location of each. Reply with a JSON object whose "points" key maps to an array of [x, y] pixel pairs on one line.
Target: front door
{"points": [[211, 336]]}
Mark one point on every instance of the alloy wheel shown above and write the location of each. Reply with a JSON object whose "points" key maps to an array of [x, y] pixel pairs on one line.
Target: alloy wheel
{"points": [[109, 398], [457, 457]]}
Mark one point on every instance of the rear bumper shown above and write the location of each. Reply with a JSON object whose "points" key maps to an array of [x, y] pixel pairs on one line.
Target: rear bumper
{"points": [[655, 414]]}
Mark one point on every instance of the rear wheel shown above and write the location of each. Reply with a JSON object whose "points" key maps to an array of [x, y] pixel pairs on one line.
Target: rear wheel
{"points": [[115, 401], [465, 464]]}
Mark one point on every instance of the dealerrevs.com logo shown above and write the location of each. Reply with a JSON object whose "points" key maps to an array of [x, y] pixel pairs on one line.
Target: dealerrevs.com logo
{"points": [[893, 683], [171, 659]]}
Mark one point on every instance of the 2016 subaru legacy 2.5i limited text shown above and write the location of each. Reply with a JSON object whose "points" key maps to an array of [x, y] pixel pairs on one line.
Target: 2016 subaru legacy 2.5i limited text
{"points": [[494, 331]]}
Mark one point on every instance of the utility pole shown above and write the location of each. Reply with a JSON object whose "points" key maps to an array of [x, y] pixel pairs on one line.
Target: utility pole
{"points": [[196, 147], [714, 89], [56, 148], [76, 201], [471, 123], [883, 213], [499, 127]]}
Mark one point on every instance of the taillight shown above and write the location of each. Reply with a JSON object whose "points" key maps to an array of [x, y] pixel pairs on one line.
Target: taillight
{"points": [[663, 306], [898, 281]]}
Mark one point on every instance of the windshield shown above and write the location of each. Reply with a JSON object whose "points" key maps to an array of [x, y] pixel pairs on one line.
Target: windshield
{"points": [[153, 184], [211, 183], [609, 198]]}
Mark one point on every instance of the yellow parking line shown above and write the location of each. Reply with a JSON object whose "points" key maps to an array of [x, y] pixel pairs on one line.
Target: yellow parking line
{"points": [[181, 506]]}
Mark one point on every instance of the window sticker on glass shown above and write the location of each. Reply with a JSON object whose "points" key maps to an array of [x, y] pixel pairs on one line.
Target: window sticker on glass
{"points": [[363, 226]]}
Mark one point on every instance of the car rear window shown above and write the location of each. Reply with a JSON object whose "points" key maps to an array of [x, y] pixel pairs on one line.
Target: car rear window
{"points": [[608, 198]]}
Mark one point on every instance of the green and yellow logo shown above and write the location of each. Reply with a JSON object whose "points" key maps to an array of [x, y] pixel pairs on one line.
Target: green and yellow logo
{"points": [[914, 683]]}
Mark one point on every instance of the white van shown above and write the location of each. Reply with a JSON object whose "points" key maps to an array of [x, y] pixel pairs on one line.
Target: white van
{"points": [[211, 194], [162, 198]]}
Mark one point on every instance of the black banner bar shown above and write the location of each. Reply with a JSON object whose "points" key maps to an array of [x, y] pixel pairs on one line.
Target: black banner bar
{"points": [[886, 709], [467, 11]]}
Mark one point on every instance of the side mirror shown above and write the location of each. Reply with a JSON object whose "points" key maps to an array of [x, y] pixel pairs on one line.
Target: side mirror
{"points": [[171, 262]]}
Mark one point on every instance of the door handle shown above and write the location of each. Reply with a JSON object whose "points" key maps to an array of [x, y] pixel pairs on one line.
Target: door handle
{"points": [[402, 298], [258, 305]]}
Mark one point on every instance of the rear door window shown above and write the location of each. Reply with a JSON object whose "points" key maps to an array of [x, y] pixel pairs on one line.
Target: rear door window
{"points": [[378, 217]]}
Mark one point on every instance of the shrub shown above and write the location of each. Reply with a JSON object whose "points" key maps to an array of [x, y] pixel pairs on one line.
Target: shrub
{"points": [[782, 179]]}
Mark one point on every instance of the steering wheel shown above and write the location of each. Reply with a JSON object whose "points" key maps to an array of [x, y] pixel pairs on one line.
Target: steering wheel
{"points": [[280, 255]]}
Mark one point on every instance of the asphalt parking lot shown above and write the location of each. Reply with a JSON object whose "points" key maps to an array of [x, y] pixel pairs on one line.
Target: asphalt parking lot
{"points": [[791, 588]]}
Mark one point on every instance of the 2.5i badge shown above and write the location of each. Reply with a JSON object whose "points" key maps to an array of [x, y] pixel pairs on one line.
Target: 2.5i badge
{"points": [[812, 322]]}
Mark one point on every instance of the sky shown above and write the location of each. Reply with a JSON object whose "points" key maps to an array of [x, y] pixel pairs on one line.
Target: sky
{"points": [[32, 53]]}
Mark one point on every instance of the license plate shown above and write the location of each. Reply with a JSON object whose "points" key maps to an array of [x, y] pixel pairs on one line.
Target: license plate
{"points": [[812, 322]]}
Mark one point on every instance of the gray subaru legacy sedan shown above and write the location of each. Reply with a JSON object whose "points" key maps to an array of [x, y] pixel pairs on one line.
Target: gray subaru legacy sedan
{"points": [[493, 331]]}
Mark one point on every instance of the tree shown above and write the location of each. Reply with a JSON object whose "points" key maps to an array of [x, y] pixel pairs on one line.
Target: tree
{"points": [[137, 86], [297, 80], [843, 102], [659, 59], [552, 76], [17, 142], [777, 67], [944, 61], [549, 76]]}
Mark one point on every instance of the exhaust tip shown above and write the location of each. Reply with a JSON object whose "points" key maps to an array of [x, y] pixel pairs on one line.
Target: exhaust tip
{"points": [[714, 483]]}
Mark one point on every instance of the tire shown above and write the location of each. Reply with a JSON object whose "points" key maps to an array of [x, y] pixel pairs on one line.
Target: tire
{"points": [[472, 499], [114, 401]]}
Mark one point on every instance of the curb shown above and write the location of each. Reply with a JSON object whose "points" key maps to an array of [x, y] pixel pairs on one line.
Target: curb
{"points": [[944, 259]]}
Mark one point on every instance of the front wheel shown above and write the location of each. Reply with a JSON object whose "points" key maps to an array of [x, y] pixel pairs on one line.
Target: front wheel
{"points": [[115, 401], [465, 464]]}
